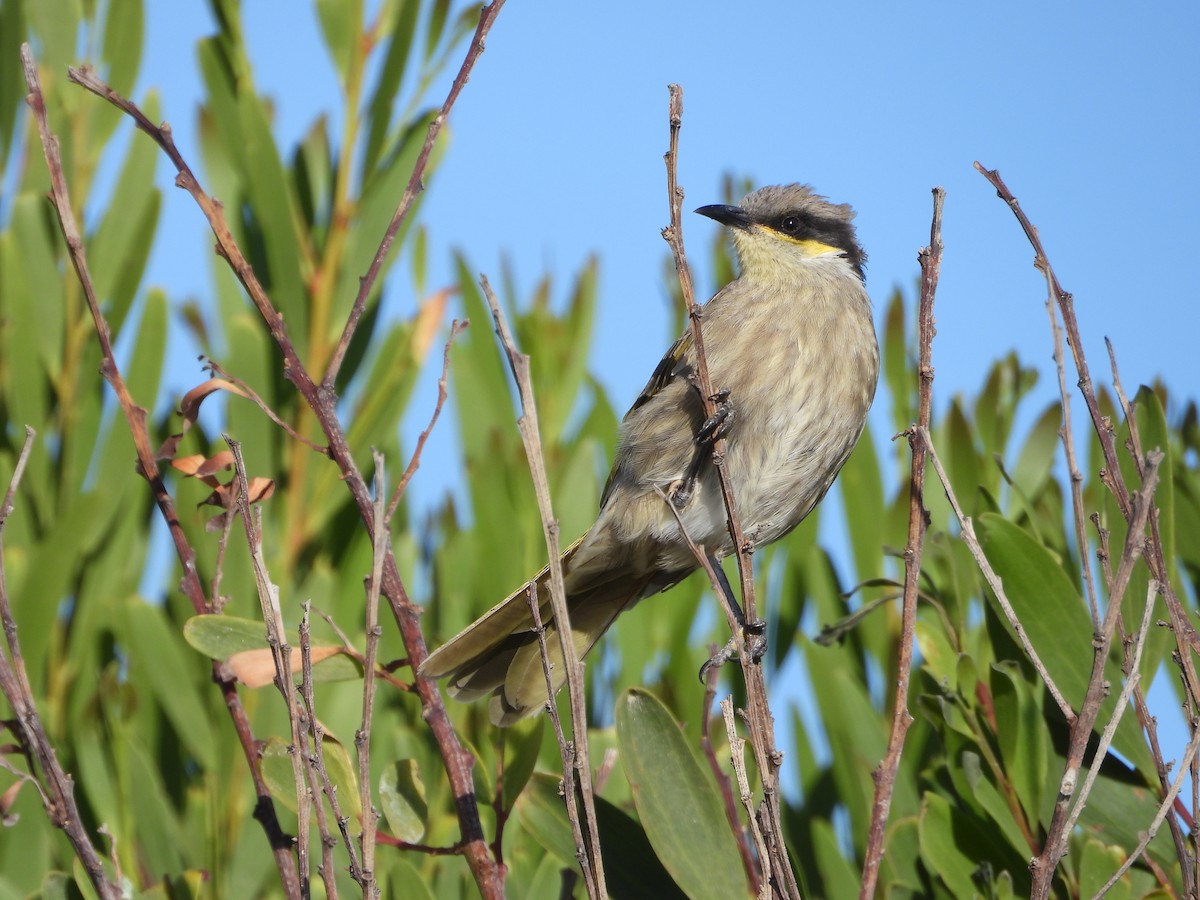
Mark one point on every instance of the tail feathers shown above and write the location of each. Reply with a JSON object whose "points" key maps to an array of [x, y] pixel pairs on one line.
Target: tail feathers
{"points": [[499, 653], [523, 689]]}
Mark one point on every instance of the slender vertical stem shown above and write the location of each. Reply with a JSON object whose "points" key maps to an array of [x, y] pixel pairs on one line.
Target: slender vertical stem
{"points": [[884, 776]]}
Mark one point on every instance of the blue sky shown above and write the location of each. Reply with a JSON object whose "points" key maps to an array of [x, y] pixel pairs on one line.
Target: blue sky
{"points": [[1092, 114]]}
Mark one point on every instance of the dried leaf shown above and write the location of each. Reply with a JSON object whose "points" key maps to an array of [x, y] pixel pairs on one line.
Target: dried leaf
{"points": [[198, 466], [256, 668], [189, 409], [7, 800], [429, 320]]}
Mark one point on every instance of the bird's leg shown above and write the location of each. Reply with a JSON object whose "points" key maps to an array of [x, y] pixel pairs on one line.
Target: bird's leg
{"points": [[753, 633], [710, 431]]}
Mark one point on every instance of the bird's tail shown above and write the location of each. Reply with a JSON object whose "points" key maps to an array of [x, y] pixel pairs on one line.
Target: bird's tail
{"points": [[499, 654]]}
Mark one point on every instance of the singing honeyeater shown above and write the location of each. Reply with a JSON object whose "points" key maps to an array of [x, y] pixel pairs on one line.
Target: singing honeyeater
{"points": [[791, 348]]}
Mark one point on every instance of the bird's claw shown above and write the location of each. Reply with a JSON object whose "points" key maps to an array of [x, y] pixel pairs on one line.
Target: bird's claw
{"points": [[718, 424], [718, 659], [754, 635]]}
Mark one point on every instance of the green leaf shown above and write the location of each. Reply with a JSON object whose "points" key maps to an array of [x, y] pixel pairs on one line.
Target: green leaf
{"points": [[402, 799], [391, 76], [955, 845], [1021, 736], [341, 26], [1055, 621], [961, 457], [221, 636], [522, 743], [159, 659], [124, 28], [677, 800], [121, 244], [1097, 863], [12, 89], [1037, 456], [631, 868], [897, 365], [435, 25], [838, 876], [275, 764]]}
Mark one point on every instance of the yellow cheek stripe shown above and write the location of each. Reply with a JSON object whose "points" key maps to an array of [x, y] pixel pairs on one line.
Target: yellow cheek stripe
{"points": [[818, 248]]}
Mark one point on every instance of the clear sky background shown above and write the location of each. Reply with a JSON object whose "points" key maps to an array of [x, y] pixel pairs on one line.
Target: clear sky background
{"points": [[1091, 112]]}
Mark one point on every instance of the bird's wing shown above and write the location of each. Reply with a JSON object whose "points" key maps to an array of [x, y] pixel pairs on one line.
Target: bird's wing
{"points": [[667, 370]]}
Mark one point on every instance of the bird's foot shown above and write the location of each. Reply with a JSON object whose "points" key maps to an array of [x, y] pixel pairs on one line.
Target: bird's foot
{"points": [[754, 636], [718, 424], [718, 659]]}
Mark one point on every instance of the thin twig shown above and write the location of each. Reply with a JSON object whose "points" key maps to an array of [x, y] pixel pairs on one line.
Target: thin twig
{"points": [[135, 418], [1131, 681], [1067, 437], [758, 712], [972, 541], [487, 16], [272, 611], [884, 776], [456, 328], [1059, 829], [566, 749], [722, 777], [252, 395], [362, 737], [318, 775], [530, 436], [737, 759]]}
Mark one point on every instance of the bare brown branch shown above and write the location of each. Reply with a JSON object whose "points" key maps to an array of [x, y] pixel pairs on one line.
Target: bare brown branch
{"points": [[884, 776]]}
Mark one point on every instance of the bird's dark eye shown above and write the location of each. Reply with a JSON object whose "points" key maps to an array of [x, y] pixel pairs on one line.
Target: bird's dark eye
{"points": [[789, 224]]}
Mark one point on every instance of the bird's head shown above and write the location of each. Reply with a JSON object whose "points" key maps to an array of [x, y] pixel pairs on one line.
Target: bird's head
{"points": [[781, 227]]}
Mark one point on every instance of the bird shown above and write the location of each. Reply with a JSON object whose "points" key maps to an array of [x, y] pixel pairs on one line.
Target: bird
{"points": [[791, 349]]}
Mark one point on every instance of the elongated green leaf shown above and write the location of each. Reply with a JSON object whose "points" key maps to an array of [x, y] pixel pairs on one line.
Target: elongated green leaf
{"points": [[631, 868], [677, 800], [12, 32], [522, 742], [158, 654], [1037, 456], [123, 35], [1021, 735], [897, 369], [955, 846], [391, 76], [341, 26], [1055, 620]]}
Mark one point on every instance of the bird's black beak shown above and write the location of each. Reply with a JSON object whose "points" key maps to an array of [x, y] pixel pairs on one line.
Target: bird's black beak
{"points": [[733, 216]]}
